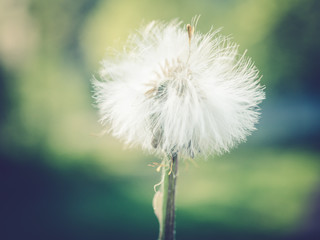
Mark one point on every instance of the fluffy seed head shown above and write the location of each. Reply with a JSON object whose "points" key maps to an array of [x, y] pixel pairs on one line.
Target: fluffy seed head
{"points": [[173, 90]]}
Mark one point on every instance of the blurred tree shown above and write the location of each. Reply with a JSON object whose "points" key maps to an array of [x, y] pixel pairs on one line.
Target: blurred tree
{"points": [[295, 50]]}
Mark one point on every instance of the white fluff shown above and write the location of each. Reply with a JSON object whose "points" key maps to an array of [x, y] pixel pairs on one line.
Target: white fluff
{"points": [[172, 97]]}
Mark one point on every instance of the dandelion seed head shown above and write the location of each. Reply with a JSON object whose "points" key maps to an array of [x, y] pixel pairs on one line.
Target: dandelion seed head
{"points": [[175, 90]]}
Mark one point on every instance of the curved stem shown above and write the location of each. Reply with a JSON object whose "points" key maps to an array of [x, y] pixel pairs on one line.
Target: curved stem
{"points": [[167, 227]]}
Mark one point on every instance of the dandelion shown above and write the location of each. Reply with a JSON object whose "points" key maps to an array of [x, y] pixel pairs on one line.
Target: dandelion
{"points": [[177, 92]]}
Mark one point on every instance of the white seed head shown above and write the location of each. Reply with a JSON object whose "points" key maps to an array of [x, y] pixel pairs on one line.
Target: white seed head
{"points": [[179, 91]]}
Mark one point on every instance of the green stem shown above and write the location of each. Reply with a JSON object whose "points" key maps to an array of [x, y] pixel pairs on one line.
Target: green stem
{"points": [[167, 227]]}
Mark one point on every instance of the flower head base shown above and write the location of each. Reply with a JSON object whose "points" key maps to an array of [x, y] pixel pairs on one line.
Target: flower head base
{"points": [[171, 95]]}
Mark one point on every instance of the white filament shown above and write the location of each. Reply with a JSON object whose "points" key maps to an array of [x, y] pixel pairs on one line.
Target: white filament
{"points": [[170, 97]]}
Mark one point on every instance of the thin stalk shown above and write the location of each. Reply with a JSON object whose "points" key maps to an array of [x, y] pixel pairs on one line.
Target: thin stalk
{"points": [[167, 227]]}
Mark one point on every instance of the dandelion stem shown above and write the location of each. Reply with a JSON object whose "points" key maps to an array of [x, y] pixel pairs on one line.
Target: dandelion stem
{"points": [[167, 227]]}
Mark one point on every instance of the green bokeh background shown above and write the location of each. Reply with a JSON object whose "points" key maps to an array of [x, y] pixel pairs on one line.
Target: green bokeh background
{"points": [[61, 179]]}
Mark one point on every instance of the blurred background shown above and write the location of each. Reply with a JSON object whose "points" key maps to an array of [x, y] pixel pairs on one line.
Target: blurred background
{"points": [[60, 179]]}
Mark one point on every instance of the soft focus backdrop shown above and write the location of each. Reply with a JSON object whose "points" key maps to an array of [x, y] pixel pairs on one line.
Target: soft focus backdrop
{"points": [[60, 179]]}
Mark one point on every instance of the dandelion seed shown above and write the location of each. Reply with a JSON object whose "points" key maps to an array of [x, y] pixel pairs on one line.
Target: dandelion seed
{"points": [[171, 95]]}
